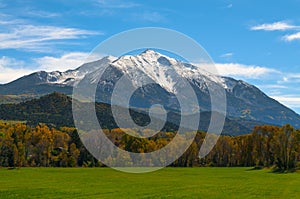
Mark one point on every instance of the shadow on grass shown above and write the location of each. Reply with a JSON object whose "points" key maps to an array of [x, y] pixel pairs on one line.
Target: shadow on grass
{"points": [[255, 168], [283, 171], [12, 168], [275, 170]]}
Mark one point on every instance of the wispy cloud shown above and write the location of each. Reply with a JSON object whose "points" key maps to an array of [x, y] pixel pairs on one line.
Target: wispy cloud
{"points": [[117, 4], [22, 34], [149, 16], [97, 13], [292, 101], [9, 20], [41, 13], [273, 86], [292, 37], [38, 38], [238, 70], [227, 55], [281, 26], [289, 78]]}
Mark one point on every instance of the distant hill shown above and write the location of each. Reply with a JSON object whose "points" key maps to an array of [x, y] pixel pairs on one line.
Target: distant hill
{"points": [[14, 99], [56, 109]]}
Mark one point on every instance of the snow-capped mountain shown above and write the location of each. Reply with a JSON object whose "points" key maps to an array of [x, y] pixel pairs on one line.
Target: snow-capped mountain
{"points": [[243, 100], [164, 71]]}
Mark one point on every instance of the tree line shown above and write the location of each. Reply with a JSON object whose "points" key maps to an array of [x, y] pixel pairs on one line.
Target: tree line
{"points": [[266, 146]]}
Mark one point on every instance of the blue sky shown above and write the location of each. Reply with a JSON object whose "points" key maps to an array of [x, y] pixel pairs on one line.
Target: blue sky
{"points": [[257, 41]]}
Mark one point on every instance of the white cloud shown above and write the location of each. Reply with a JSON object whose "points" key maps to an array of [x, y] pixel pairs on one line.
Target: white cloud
{"points": [[12, 69], [281, 25], [226, 55], [291, 37], [42, 14], [149, 16], [291, 101], [17, 34], [294, 75], [9, 20], [238, 70], [65, 62], [289, 78], [251, 73], [273, 86], [116, 4]]}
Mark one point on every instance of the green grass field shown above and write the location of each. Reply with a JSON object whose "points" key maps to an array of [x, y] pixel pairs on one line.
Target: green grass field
{"points": [[165, 183]]}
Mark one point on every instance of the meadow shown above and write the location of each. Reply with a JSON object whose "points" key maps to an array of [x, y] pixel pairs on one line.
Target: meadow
{"points": [[166, 183]]}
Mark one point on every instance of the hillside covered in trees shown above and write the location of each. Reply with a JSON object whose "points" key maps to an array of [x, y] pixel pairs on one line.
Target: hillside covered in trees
{"points": [[266, 146], [56, 110]]}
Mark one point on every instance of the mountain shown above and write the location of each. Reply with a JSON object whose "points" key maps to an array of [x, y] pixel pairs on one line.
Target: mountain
{"points": [[56, 109], [246, 104], [41, 82]]}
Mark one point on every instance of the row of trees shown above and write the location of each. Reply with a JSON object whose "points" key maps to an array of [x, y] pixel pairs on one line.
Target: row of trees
{"points": [[21, 145], [266, 146]]}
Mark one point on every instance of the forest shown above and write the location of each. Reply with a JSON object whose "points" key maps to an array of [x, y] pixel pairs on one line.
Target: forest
{"points": [[45, 146]]}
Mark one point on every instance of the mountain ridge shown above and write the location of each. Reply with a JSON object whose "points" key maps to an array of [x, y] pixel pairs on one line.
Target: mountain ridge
{"points": [[56, 109], [244, 101]]}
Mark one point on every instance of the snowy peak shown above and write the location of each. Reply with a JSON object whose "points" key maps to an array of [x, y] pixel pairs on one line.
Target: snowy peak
{"points": [[148, 57], [149, 65], [151, 53], [166, 71], [155, 57]]}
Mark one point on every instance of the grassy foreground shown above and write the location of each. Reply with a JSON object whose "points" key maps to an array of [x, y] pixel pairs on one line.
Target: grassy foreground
{"points": [[165, 183]]}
